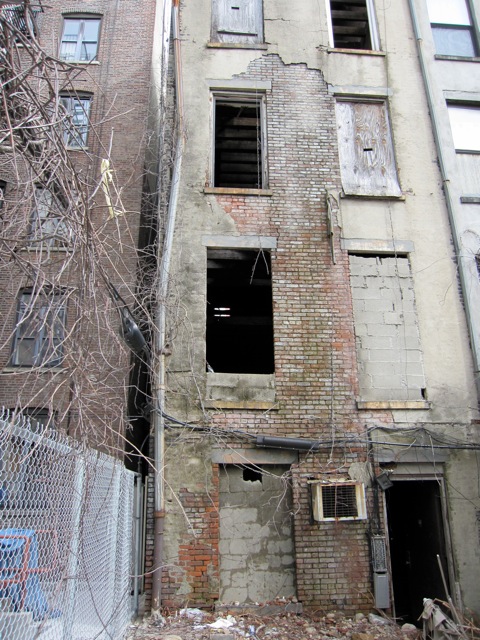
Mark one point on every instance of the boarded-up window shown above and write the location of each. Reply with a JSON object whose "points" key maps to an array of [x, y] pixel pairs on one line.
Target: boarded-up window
{"points": [[389, 355], [237, 21], [366, 149]]}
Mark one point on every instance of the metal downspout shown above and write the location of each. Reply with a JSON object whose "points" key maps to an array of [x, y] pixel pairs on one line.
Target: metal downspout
{"points": [[164, 261], [448, 197]]}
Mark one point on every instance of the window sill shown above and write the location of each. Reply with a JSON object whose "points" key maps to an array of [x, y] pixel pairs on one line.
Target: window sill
{"points": [[470, 199], [237, 45], [83, 63], [27, 369], [357, 52], [245, 405], [393, 405], [372, 196], [230, 191], [441, 56]]}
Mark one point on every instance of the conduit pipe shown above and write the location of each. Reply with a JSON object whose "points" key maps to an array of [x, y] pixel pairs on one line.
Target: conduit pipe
{"points": [[469, 312], [170, 20]]}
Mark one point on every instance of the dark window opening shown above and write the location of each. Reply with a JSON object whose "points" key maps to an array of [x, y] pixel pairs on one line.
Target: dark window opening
{"points": [[239, 311], [350, 24], [339, 501], [238, 145], [3, 186], [251, 474]]}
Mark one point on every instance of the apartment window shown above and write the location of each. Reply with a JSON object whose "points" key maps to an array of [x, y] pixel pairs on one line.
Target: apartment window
{"points": [[239, 311], [75, 124], [80, 39], [237, 21], [465, 124], [367, 161], [452, 28], [352, 25], [39, 419], [40, 329], [47, 221], [3, 186], [239, 147]]}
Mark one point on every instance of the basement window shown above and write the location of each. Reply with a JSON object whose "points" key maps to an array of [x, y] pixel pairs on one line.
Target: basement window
{"points": [[239, 312], [339, 501], [352, 25], [239, 146]]}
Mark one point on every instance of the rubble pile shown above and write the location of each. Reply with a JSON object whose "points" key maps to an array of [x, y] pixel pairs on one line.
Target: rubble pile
{"points": [[195, 624]]}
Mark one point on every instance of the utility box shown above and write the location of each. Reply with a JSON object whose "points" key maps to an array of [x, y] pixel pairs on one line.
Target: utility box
{"points": [[381, 590]]}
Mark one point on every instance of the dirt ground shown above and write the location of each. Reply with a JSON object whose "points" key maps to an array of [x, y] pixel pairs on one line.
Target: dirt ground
{"points": [[192, 624]]}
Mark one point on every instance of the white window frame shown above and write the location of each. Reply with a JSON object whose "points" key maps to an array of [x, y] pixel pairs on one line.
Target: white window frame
{"points": [[466, 135], [372, 26], [40, 322], [248, 98], [80, 41], [317, 501], [76, 123], [442, 16]]}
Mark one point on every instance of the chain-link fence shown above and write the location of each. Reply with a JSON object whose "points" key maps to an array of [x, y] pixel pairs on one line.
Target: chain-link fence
{"points": [[67, 536]]}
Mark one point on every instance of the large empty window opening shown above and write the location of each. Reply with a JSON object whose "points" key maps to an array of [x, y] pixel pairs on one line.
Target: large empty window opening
{"points": [[352, 24], [239, 311], [239, 146]]}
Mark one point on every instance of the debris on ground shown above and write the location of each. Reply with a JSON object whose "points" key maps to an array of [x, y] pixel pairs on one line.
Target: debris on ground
{"points": [[195, 624]]}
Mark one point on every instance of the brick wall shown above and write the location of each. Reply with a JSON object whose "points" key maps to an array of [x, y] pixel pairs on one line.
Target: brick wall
{"points": [[315, 363]]}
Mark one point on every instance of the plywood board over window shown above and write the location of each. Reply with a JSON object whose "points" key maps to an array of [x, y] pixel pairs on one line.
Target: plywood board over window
{"points": [[366, 150], [237, 21]]}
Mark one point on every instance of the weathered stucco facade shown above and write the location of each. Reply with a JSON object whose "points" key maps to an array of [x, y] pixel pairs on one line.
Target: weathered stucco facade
{"points": [[362, 361]]}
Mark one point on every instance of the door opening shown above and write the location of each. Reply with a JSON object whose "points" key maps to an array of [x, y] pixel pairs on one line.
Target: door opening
{"points": [[417, 536]]}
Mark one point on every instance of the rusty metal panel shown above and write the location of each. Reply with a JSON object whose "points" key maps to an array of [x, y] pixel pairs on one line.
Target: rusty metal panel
{"points": [[366, 149]]}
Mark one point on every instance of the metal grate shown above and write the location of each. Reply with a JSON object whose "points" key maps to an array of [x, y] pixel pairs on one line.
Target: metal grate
{"points": [[379, 554], [339, 501], [66, 542]]}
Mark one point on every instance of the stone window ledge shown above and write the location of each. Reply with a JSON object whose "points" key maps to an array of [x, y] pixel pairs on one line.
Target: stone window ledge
{"points": [[393, 404], [236, 45], [226, 191]]}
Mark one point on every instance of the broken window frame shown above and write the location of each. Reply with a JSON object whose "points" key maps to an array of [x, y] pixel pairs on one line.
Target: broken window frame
{"points": [[48, 227], [319, 498], [40, 327], [76, 123], [366, 151], [243, 340], [251, 33], [242, 99], [446, 19], [81, 42], [373, 39]]}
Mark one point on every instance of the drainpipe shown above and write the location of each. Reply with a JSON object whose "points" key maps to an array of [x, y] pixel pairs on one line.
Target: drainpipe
{"points": [[164, 260], [469, 312]]}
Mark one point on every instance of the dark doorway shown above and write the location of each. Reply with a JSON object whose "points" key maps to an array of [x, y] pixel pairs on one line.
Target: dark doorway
{"points": [[417, 536]]}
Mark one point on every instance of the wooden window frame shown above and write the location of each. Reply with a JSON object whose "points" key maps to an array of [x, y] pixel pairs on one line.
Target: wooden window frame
{"points": [[75, 135]]}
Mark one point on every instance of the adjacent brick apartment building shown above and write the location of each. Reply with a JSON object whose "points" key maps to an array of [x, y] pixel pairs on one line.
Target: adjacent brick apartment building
{"points": [[72, 183]]}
